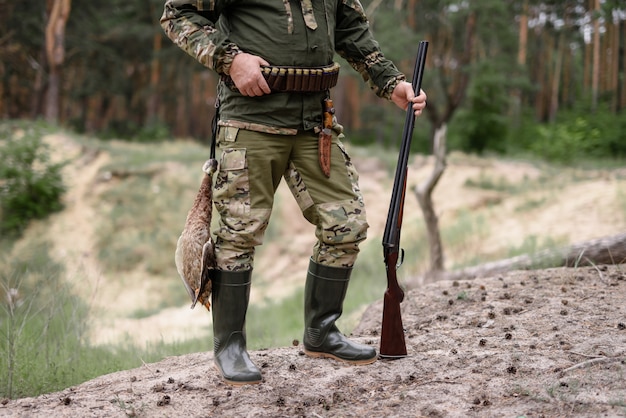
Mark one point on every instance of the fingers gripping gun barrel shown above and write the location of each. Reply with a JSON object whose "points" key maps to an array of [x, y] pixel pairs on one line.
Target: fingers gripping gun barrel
{"points": [[392, 344]]}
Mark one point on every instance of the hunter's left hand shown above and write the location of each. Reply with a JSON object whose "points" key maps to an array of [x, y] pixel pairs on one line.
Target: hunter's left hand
{"points": [[403, 95]]}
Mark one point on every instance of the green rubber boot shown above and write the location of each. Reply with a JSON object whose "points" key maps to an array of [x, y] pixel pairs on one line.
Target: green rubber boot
{"points": [[230, 296], [324, 293]]}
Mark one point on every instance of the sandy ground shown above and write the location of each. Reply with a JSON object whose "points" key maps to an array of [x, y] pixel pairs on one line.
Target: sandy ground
{"points": [[549, 343]]}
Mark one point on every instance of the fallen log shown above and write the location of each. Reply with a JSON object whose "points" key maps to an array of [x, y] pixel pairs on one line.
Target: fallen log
{"points": [[606, 250]]}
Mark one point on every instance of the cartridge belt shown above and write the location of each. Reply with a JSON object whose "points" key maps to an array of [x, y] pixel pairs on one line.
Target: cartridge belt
{"points": [[297, 79]]}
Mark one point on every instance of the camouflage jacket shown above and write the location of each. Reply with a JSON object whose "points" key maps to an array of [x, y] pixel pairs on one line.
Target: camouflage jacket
{"points": [[214, 31]]}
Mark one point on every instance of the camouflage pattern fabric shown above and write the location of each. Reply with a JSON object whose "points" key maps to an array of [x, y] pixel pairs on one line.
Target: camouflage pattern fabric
{"points": [[197, 37], [364, 67], [289, 16], [257, 127], [341, 225], [335, 206], [307, 13]]}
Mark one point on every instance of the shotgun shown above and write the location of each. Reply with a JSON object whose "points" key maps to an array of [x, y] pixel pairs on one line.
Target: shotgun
{"points": [[392, 344]]}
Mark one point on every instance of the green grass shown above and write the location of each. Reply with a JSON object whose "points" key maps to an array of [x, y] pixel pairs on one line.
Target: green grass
{"points": [[485, 182], [531, 204], [462, 238], [43, 329], [513, 188], [533, 244], [276, 324]]}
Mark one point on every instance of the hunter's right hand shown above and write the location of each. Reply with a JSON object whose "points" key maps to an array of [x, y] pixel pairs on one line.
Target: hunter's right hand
{"points": [[245, 71]]}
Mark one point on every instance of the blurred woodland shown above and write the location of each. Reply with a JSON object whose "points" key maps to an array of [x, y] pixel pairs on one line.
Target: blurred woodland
{"points": [[493, 66]]}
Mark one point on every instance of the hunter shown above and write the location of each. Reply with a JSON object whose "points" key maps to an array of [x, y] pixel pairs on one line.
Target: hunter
{"points": [[276, 121]]}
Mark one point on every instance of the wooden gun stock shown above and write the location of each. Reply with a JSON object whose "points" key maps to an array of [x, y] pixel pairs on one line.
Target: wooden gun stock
{"points": [[392, 343]]}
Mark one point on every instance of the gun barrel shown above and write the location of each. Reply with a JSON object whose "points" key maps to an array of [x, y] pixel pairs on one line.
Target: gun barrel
{"points": [[391, 234]]}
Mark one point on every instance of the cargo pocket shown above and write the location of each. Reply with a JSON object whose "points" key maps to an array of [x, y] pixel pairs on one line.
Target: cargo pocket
{"points": [[231, 193]]}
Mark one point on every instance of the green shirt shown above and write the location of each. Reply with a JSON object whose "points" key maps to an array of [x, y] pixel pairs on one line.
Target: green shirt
{"points": [[303, 33]]}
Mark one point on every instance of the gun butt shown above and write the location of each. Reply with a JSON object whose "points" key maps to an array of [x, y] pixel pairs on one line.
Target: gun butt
{"points": [[392, 343]]}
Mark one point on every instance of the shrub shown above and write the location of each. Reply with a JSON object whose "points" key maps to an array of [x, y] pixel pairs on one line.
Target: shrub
{"points": [[482, 123], [31, 186], [565, 142]]}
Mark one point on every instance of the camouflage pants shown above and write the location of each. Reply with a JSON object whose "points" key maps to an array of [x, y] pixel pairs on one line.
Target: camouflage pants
{"points": [[251, 167]]}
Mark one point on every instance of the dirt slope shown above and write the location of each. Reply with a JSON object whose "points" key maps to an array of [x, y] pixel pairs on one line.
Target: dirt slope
{"points": [[548, 343]]}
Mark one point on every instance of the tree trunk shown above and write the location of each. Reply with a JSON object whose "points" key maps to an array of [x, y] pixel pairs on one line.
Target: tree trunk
{"points": [[347, 103], [59, 12], [587, 68], [424, 192], [522, 48], [522, 51], [614, 64], [556, 78], [595, 77], [371, 9], [623, 99], [411, 14], [543, 77], [39, 87], [155, 78], [567, 77]]}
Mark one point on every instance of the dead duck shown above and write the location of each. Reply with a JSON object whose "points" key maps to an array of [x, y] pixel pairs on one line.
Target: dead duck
{"points": [[194, 257]]}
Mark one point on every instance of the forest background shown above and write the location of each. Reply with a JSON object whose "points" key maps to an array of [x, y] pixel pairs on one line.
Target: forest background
{"points": [[547, 77], [539, 79]]}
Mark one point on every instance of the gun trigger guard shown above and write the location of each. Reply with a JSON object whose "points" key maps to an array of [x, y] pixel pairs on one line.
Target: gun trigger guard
{"points": [[400, 259]]}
